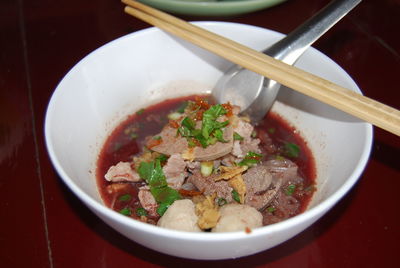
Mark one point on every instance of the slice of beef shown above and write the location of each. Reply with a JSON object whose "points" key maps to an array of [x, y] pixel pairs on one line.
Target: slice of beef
{"points": [[176, 144], [261, 200], [284, 169], [175, 171], [257, 179], [262, 186], [147, 201], [122, 172], [171, 142], [209, 186]]}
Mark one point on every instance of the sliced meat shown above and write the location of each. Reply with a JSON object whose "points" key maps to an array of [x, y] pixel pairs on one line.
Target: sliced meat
{"points": [[261, 200], [176, 144], [284, 169], [175, 171], [243, 128], [261, 186], [257, 179], [288, 205], [147, 201], [209, 186], [247, 144], [171, 142], [122, 172]]}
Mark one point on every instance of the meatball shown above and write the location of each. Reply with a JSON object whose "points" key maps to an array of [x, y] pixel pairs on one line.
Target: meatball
{"points": [[237, 217], [180, 216]]}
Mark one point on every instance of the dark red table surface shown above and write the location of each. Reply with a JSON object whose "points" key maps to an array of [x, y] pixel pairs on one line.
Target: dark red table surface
{"points": [[42, 224]]}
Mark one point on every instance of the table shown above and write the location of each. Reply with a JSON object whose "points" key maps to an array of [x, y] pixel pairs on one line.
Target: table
{"points": [[42, 224]]}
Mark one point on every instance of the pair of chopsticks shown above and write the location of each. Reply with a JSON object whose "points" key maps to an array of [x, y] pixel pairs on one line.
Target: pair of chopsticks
{"points": [[367, 109]]}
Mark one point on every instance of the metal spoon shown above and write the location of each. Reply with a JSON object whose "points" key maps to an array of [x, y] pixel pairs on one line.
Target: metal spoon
{"points": [[254, 93]]}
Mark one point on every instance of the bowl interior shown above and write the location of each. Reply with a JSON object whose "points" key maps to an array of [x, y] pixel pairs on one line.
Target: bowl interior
{"points": [[148, 66]]}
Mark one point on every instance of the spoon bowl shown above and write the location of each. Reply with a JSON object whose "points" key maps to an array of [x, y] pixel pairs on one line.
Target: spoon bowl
{"points": [[256, 94]]}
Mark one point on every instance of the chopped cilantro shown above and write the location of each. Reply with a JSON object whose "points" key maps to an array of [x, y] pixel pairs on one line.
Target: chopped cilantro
{"points": [[162, 158], [235, 196], [133, 135], [290, 189], [222, 201], [271, 209], [140, 112], [153, 174], [250, 159], [125, 197], [211, 130], [237, 137], [291, 150], [141, 212], [126, 211], [210, 123], [182, 108]]}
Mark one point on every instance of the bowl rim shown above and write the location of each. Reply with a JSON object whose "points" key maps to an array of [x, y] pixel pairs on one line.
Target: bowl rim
{"points": [[310, 214]]}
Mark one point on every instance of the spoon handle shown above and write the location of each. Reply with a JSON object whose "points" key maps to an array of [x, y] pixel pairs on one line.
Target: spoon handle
{"points": [[290, 48]]}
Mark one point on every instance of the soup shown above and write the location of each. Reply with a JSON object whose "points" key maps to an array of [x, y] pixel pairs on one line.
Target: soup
{"points": [[188, 165]]}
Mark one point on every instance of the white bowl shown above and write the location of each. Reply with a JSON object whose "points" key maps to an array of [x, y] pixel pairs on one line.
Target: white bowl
{"points": [[147, 66]]}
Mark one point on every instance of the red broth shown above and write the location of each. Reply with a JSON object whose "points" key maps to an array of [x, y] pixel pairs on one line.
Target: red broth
{"points": [[128, 139]]}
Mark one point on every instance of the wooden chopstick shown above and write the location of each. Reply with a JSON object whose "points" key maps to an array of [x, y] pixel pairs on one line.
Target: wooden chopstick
{"points": [[367, 109]]}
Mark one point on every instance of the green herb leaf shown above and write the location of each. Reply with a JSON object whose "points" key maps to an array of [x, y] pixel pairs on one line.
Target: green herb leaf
{"points": [[125, 198], [209, 122], [235, 196], [126, 211], [222, 201], [182, 108], [153, 174], [250, 159], [140, 112], [237, 137], [290, 189], [271, 209], [141, 212], [291, 150], [219, 135], [133, 135], [162, 158]]}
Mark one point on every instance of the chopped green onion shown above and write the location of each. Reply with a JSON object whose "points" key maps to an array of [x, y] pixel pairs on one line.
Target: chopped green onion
{"points": [[237, 137], [206, 168], [221, 201], [271, 209], [140, 112], [290, 189], [250, 159], [133, 135], [235, 196], [141, 212], [174, 116], [182, 108], [162, 157], [279, 157], [125, 197], [126, 211], [153, 174], [291, 150]]}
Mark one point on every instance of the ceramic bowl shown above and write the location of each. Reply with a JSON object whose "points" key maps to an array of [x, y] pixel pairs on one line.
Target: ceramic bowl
{"points": [[149, 66]]}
